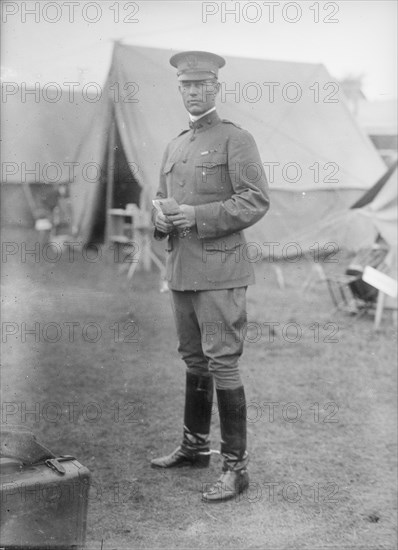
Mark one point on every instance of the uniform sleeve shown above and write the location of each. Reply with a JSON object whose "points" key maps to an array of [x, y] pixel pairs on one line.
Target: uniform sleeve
{"points": [[250, 200], [160, 194]]}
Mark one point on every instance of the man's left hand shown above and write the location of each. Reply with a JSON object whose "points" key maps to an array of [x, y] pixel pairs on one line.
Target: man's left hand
{"points": [[185, 218]]}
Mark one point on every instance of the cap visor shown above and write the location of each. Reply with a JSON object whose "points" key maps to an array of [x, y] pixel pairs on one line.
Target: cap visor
{"points": [[197, 76]]}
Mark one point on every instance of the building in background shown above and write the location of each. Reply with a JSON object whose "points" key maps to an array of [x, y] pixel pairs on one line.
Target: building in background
{"points": [[377, 118]]}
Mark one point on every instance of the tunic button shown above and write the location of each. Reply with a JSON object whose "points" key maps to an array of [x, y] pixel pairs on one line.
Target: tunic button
{"points": [[184, 161]]}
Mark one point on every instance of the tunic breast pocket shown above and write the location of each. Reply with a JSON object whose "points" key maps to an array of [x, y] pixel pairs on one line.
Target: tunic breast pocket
{"points": [[211, 173]]}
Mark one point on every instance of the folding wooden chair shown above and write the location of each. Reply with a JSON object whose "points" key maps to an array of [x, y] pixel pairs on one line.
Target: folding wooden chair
{"points": [[348, 291]]}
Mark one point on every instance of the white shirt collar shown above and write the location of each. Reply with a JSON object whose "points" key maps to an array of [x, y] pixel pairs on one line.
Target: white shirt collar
{"points": [[194, 118]]}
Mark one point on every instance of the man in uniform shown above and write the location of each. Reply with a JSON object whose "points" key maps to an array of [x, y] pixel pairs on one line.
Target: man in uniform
{"points": [[214, 172]]}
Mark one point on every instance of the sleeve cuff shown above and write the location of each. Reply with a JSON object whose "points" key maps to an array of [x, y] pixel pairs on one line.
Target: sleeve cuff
{"points": [[204, 213]]}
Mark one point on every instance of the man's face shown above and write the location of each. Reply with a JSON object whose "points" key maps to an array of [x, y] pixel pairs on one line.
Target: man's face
{"points": [[199, 95]]}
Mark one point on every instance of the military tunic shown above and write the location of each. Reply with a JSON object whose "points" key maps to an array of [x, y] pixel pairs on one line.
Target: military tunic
{"points": [[215, 167]]}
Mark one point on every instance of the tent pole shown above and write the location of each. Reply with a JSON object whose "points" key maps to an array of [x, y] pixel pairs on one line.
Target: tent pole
{"points": [[110, 177]]}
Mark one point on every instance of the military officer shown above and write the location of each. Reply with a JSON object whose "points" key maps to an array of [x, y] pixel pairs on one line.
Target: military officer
{"points": [[214, 172]]}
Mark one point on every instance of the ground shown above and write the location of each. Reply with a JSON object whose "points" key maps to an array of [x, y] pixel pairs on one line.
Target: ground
{"points": [[105, 384]]}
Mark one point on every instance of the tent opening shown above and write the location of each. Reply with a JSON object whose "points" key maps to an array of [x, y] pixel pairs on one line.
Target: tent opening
{"points": [[118, 179]]}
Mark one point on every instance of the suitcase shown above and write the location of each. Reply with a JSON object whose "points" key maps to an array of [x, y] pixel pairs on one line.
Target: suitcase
{"points": [[43, 505]]}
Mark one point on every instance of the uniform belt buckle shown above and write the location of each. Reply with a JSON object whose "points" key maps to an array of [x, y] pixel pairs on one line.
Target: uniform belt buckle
{"points": [[184, 232]]}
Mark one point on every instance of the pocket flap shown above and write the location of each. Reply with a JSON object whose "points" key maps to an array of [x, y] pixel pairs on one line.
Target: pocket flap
{"points": [[224, 244], [211, 160], [168, 166]]}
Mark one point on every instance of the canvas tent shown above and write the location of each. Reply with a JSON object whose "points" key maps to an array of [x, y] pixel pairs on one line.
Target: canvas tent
{"points": [[41, 131], [318, 160], [321, 160], [382, 211], [374, 214]]}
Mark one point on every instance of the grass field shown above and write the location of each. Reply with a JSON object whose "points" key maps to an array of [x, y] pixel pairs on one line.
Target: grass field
{"points": [[104, 371]]}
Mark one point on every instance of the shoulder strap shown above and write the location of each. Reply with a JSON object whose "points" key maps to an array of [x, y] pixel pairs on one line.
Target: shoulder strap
{"points": [[230, 122]]}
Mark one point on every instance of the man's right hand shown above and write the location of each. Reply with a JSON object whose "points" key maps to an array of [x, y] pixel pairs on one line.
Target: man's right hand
{"points": [[162, 224]]}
